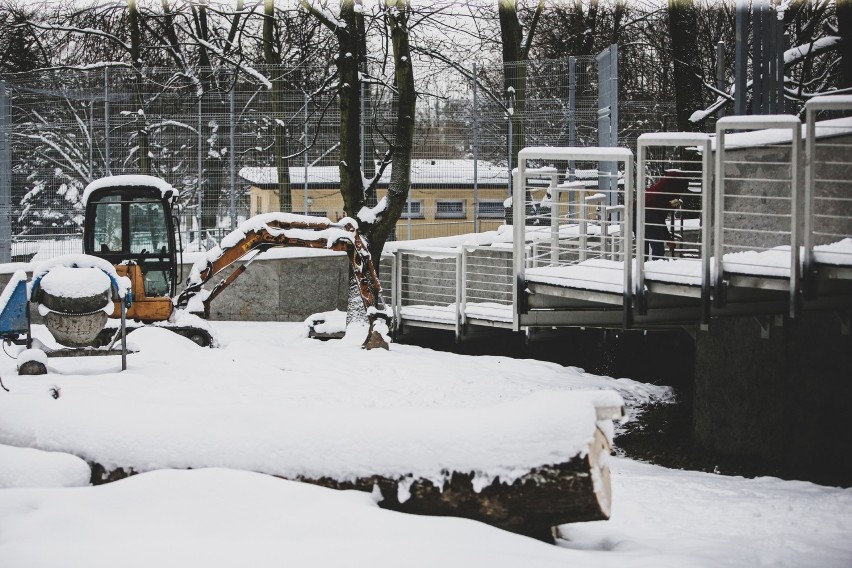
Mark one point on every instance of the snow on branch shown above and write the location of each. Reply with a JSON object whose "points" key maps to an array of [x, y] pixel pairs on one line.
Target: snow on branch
{"points": [[811, 49]]}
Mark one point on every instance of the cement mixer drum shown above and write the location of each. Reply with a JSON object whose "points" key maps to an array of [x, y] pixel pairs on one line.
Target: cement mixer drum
{"points": [[75, 303]]}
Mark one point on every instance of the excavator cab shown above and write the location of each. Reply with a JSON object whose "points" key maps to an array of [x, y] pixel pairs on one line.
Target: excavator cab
{"points": [[129, 223]]}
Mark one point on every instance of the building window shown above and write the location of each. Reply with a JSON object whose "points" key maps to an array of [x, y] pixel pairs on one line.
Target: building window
{"points": [[413, 209], [490, 209], [312, 213], [258, 205], [449, 209]]}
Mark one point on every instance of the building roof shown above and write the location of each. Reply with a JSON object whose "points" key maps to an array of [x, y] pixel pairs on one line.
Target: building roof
{"points": [[424, 173]]}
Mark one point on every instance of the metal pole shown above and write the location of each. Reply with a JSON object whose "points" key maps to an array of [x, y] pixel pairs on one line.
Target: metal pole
{"points": [[107, 166], [5, 174], [91, 139], [758, 90], [233, 196], [124, 332], [784, 45], [613, 121], [306, 152], [198, 184], [362, 130], [475, 155], [572, 110], [509, 158], [741, 58], [771, 60], [720, 72]]}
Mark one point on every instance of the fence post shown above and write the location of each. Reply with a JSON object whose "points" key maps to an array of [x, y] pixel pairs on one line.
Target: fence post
{"points": [[475, 155], [107, 166], [91, 138], [741, 58], [509, 156], [231, 152], [5, 174], [306, 152], [199, 189], [784, 45]]}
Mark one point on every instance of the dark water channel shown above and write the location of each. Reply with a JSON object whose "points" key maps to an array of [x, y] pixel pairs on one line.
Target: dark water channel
{"points": [[657, 357]]}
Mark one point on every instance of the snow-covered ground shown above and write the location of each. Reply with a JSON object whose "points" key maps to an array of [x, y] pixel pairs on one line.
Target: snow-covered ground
{"points": [[269, 400]]}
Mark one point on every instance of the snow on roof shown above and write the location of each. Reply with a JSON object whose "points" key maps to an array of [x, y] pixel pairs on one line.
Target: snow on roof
{"points": [[166, 189], [423, 172]]}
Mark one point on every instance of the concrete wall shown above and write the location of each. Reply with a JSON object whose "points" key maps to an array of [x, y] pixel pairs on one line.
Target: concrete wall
{"points": [[277, 289], [784, 399]]}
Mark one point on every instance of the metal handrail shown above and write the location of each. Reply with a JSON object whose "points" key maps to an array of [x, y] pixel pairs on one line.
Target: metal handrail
{"points": [[742, 123], [812, 107], [675, 140]]}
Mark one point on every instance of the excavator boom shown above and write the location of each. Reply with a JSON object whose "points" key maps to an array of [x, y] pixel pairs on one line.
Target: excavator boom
{"points": [[271, 230]]}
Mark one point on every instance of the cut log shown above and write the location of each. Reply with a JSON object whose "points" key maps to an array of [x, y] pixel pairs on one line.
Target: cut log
{"points": [[575, 490]]}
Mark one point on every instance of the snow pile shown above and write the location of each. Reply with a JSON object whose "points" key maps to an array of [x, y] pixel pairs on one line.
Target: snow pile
{"points": [[26, 467], [29, 355], [297, 407], [221, 518], [69, 282], [176, 395], [79, 261]]}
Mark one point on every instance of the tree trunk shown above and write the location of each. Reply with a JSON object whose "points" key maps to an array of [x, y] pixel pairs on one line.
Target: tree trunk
{"points": [[683, 30], [136, 62], [576, 490], [514, 73], [280, 129], [350, 40], [400, 181]]}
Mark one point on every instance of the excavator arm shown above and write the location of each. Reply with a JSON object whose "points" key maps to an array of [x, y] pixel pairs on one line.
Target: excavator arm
{"points": [[272, 230]]}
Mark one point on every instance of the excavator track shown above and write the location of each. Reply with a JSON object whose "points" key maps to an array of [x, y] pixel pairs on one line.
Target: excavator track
{"points": [[197, 335]]}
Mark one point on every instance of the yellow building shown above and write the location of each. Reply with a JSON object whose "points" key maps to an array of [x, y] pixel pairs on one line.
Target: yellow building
{"points": [[443, 199]]}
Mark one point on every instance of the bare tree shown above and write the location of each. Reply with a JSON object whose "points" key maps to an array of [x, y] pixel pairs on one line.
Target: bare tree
{"points": [[349, 28]]}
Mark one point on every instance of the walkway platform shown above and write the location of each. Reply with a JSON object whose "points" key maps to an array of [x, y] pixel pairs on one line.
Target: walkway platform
{"points": [[752, 235]]}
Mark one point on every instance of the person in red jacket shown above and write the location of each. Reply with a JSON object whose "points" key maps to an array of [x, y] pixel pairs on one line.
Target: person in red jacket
{"points": [[661, 198]]}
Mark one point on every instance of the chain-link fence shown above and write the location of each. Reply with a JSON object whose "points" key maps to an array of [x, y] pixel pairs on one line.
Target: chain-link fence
{"points": [[215, 135]]}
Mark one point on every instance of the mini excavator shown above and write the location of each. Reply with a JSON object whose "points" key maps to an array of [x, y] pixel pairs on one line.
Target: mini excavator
{"points": [[130, 222]]}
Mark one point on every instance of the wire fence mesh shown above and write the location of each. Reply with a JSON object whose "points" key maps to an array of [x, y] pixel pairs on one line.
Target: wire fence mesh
{"points": [[214, 138]]}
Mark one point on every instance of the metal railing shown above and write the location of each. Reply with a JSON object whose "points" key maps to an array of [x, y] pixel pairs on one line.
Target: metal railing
{"points": [[448, 287], [598, 255], [758, 200], [828, 188], [656, 153]]}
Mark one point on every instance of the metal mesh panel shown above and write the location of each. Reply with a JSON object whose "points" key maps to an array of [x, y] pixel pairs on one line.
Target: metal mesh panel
{"points": [[70, 127]]}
